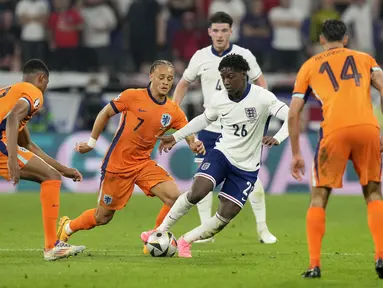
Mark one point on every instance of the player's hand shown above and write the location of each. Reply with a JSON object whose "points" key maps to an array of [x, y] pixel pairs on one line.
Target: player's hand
{"points": [[298, 167], [72, 173], [198, 147], [166, 144], [269, 141], [83, 147], [14, 170]]}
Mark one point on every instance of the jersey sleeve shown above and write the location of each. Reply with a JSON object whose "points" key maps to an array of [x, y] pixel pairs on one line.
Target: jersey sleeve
{"points": [[191, 72], [122, 101], [274, 105], [32, 95], [302, 87], [255, 70], [180, 120]]}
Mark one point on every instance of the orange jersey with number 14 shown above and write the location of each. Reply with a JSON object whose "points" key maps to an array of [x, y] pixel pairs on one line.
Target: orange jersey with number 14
{"points": [[340, 79]]}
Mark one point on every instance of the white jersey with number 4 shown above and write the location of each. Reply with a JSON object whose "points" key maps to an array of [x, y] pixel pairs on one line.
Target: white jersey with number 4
{"points": [[243, 124], [204, 64]]}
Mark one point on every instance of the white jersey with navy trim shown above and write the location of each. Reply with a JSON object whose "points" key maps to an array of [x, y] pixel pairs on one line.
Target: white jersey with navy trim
{"points": [[243, 124], [204, 64]]}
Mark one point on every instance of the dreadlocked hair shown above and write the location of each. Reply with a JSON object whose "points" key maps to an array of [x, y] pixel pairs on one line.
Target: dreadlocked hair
{"points": [[235, 62], [158, 63]]}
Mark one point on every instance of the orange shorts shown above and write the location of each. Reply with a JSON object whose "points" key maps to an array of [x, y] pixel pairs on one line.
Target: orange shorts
{"points": [[117, 188], [23, 156], [360, 144]]}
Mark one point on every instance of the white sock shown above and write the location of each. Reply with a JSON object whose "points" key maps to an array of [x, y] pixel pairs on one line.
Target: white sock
{"points": [[67, 229], [179, 209], [207, 229], [204, 207], [258, 204]]}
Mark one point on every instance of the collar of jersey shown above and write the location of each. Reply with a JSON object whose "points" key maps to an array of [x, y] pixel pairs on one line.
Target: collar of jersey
{"points": [[154, 99], [227, 51], [247, 90]]}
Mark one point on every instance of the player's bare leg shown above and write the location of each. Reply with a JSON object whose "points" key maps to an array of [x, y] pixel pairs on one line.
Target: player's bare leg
{"points": [[315, 228], [200, 188], [227, 210], [373, 196], [258, 204], [87, 220], [50, 179]]}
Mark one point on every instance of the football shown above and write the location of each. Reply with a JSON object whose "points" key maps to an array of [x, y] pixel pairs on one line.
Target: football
{"points": [[162, 244]]}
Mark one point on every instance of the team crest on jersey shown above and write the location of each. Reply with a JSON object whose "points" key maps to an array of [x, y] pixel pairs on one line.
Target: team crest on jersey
{"points": [[251, 113], [36, 104], [107, 199], [165, 120], [205, 166]]}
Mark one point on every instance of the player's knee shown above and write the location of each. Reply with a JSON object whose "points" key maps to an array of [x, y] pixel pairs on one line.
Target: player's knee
{"points": [[319, 197], [372, 192], [103, 219], [51, 174], [196, 195]]}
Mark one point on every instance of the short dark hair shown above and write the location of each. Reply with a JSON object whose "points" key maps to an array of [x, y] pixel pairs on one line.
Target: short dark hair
{"points": [[235, 62], [220, 17], [35, 65], [334, 30], [160, 62]]}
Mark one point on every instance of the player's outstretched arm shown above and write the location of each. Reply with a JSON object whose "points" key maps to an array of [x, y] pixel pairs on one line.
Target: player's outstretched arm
{"points": [[99, 125], [24, 140], [377, 82], [180, 91], [297, 165], [18, 113]]}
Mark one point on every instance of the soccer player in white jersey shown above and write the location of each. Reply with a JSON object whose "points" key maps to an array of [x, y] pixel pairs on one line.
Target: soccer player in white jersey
{"points": [[204, 64], [243, 110]]}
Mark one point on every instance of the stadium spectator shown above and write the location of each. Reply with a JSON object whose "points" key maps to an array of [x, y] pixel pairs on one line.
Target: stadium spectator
{"points": [[235, 8], [255, 32], [32, 16], [99, 21], [65, 24], [7, 40], [287, 42], [326, 11]]}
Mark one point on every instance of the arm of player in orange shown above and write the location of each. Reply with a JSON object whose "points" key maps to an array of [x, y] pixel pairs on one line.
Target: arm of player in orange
{"points": [[296, 107], [18, 113], [24, 140], [377, 82], [99, 125]]}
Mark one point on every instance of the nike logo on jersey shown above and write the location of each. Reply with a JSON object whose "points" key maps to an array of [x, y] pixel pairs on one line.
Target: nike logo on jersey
{"points": [[223, 115], [141, 110]]}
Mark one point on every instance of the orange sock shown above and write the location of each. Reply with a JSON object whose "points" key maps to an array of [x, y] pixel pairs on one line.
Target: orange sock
{"points": [[50, 203], [375, 220], [161, 216], [315, 228], [86, 221]]}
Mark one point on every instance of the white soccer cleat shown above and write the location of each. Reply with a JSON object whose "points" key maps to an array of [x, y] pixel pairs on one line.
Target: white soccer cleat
{"points": [[62, 250], [208, 240], [266, 237]]}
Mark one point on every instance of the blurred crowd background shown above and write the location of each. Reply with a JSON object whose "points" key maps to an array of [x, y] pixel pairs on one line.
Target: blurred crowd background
{"points": [[97, 48]]}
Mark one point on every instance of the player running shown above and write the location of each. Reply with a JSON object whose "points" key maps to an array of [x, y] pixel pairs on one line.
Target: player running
{"points": [[243, 110], [204, 64], [340, 79], [145, 115], [20, 158]]}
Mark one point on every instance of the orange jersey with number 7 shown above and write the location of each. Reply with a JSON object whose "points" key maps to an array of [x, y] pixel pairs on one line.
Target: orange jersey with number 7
{"points": [[340, 79], [142, 119]]}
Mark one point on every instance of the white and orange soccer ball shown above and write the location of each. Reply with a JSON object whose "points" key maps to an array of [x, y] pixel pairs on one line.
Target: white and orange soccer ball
{"points": [[162, 244]]}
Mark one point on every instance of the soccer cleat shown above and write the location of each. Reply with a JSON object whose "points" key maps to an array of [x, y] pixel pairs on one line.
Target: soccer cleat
{"points": [[145, 235], [184, 248], [208, 240], [312, 273], [62, 250], [61, 233], [145, 250], [266, 237], [379, 267]]}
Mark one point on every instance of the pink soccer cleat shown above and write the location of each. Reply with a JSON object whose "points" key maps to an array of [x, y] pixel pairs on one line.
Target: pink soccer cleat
{"points": [[145, 235], [184, 248]]}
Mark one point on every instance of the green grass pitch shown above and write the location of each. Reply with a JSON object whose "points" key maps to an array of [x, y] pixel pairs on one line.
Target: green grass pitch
{"points": [[114, 252]]}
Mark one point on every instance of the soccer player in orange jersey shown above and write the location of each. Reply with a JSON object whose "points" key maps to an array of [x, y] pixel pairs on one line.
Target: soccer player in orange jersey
{"points": [[20, 158], [340, 79], [145, 115]]}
